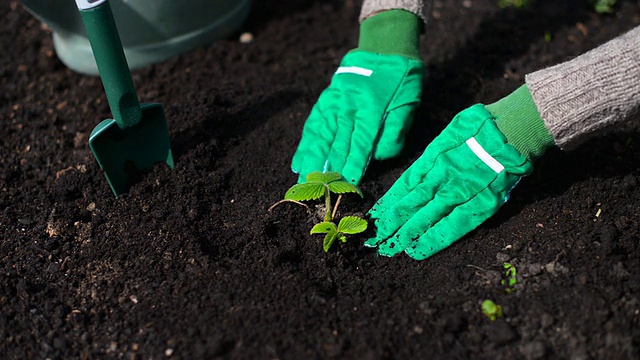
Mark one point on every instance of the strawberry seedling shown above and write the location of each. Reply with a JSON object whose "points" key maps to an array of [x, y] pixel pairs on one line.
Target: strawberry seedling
{"points": [[321, 185]]}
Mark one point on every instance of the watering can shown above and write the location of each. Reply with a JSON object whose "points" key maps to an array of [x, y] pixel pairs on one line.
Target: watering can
{"points": [[150, 30]]}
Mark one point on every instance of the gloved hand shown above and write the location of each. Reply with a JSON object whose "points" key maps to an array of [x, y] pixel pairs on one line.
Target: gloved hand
{"points": [[461, 180], [368, 107]]}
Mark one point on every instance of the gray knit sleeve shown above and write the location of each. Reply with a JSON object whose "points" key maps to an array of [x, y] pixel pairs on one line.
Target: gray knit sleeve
{"points": [[595, 92], [418, 7]]}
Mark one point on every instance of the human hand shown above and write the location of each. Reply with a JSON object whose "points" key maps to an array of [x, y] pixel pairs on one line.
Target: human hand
{"points": [[461, 180], [368, 107], [364, 113]]}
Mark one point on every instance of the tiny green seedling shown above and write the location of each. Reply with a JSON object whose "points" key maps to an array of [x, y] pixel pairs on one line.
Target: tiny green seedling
{"points": [[511, 279], [320, 185], [491, 310], [604, 6], [347, 225], [518, 4], [600, 6]]}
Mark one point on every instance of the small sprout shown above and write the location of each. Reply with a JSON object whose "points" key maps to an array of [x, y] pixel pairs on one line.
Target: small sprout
{"points": [[323, 184], [518, 4], [347, 225], [547, 36], [491, 310], [604, 6], [511, 279]]}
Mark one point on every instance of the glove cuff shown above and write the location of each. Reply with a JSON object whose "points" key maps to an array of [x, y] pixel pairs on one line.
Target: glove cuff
{"points": [[517, 117], [394, 32]]}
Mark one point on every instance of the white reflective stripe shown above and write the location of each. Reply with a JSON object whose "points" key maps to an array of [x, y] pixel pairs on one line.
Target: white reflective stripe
{"points": [[354, 70], [89, 4], [485, 156]]}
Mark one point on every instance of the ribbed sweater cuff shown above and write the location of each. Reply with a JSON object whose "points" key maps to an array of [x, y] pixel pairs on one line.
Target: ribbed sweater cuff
{"points": [[394, 32], [518, 119]]}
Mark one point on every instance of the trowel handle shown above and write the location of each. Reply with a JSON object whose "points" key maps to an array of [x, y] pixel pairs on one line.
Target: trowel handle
{"points": [[112, 64]]}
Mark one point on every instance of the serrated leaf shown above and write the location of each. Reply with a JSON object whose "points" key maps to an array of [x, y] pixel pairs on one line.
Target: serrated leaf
{"points": [[315, 176], [331, 176], [325, 227], [352, 225], [329, 239], [305, 191], [324, 178], [343, 187]]}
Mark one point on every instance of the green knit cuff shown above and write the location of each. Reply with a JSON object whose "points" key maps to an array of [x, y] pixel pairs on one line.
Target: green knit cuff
{"points": [[518, 119], [394, 32]]}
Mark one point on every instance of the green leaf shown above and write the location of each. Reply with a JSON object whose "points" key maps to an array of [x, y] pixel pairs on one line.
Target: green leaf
{"points": [[512, 278], [324, 178], [325, 227], [518, 4], [352, 225], [343, 238], [315, 176], [329, 239], [343, 187], [331, 176], [491, 310], [305, 191], [604, 6]]}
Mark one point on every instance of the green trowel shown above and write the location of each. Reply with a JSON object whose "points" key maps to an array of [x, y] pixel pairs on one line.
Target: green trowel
{"points": [[137, 137]]}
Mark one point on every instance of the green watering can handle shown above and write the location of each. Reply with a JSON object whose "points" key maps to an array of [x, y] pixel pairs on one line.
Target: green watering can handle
{"points": [[112, 64]]}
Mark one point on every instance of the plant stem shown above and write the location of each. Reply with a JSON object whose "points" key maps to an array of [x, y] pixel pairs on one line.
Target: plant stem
{"points": [[335, 207], [327, 205], [291, 201]]}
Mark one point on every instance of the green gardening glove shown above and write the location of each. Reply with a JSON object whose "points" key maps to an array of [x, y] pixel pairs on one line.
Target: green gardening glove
{"points": [[461, 180], [368, 107]]}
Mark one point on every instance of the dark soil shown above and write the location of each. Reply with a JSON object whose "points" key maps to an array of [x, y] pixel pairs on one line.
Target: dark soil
{"points": [[191, 265]]}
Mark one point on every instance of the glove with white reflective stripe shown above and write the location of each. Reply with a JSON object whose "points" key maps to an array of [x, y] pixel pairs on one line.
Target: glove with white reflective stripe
{"points": [[464, 176], [368, 107]]}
